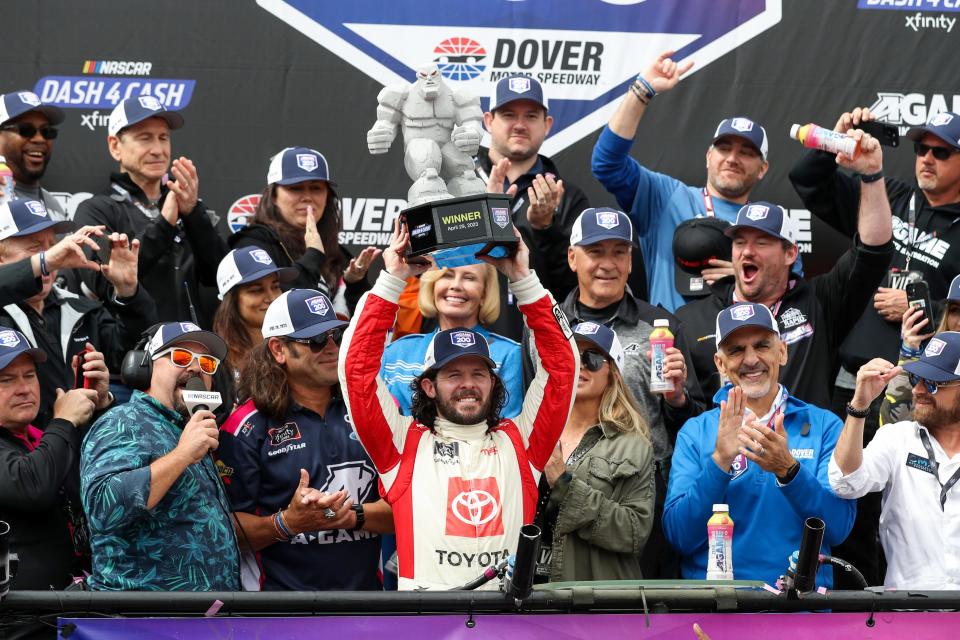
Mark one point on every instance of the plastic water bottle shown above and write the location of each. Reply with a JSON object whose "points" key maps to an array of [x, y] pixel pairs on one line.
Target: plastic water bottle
{"points": [[720, 544], [814, 137], [6, 192], [660, 340]]}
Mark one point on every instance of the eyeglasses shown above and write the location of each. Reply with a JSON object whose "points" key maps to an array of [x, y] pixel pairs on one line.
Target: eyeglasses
{"points": [[940, 153], [592, 360], [931, 386], [27, 130], [319, 343], [184, 357]]}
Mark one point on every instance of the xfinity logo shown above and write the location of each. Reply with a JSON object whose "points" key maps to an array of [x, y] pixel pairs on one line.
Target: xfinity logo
{"points": [[588, 64]]}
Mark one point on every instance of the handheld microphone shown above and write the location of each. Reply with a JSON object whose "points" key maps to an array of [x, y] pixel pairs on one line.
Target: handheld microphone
{"points": [[197, 398]]}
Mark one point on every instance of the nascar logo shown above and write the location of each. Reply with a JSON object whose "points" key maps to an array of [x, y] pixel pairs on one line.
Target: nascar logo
{"points": [[585, 56]]}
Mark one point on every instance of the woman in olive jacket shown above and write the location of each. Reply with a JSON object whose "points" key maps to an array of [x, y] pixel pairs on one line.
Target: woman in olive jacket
{"points": [[600, 507]]}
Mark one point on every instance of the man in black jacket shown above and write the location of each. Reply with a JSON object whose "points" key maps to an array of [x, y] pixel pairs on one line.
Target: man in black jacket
{"points": [[60, 323], [600, 257], [543, 206], [39, 481], [925, 234], [179, 243], [814, 315]]}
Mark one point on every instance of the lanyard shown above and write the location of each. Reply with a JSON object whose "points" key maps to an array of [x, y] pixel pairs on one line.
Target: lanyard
{"points": [[944, 487], [775, 309], [911, 228], [707, 203]]}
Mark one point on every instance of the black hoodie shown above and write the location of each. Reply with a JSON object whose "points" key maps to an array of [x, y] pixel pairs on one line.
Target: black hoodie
{"points": [[834, 197]]}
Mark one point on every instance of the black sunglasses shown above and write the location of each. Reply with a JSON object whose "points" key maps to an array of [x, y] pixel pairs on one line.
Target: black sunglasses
{"points": [[940, 153], [592, 360], [27, 130], [319, 343], [931, 386]]}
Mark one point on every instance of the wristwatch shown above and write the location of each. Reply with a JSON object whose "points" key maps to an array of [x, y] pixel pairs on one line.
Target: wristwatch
{"points": [[361, 517]]}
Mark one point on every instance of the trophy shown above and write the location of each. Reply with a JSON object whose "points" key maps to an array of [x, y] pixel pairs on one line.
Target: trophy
{"points": [[449, 213]]}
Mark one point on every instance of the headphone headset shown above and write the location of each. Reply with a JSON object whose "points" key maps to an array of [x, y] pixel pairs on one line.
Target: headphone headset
{"points": [[137, 368]]}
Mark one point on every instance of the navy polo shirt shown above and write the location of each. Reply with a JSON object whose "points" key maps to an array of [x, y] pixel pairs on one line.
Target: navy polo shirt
{"points": [[260, 460]]}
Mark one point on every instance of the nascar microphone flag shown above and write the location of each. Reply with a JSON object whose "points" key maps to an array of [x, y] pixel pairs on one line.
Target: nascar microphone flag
{"points": [[584, 52]]}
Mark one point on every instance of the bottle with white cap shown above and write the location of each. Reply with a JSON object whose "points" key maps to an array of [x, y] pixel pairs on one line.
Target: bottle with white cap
{"points": [[660, 340], [720, 544]]}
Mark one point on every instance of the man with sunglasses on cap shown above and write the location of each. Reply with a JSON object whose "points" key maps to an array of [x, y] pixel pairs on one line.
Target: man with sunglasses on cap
{"points": [[814, 315], [180, 248], [293, 433], [57, 321], [600, 257], [915, 464], [762, 451], [736, 161], [926, 236], [27, 131], [158, 514], [461, 478]]}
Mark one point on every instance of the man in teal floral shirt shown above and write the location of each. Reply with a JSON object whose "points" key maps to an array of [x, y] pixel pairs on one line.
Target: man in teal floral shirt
{"points": [[157, 512]]}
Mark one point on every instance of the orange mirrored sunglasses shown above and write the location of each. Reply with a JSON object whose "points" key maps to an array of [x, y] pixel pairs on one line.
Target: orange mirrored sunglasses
{"points": [[183, 357]]}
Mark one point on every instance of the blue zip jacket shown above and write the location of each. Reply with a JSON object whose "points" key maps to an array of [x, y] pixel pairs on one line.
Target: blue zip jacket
{"points": [[767, 517], [403, 361], [657, 204]]}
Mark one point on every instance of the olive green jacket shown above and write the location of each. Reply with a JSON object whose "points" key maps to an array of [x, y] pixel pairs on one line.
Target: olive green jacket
{"points": [[604, 510]]}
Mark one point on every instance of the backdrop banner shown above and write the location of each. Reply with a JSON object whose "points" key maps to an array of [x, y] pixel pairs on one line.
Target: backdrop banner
{"points": [[253, 77]]}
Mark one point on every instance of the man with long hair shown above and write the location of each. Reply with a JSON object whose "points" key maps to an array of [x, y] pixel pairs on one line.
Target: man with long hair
{"points": [[462, 480], [294, 430]]}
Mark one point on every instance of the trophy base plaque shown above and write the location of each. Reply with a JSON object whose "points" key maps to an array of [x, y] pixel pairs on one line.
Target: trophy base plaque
{"points": [[481, 219]]}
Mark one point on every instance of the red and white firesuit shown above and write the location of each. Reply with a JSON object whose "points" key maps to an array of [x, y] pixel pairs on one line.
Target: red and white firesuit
{"points": [[460, 493]]}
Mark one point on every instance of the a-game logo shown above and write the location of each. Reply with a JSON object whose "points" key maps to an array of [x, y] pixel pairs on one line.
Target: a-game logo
{"points": [[585, 55], [912, 109]]}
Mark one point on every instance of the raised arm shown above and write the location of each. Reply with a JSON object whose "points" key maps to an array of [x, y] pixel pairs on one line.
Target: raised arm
{"points": [[376, 419], [549, 398]]}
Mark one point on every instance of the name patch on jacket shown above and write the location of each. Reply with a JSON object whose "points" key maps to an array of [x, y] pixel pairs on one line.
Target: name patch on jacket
{"points": [[279, 435], [797, 334], [802, 454], [920, 463]]}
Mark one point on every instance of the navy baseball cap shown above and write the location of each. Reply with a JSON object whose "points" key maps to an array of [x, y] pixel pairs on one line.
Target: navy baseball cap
{"points": [[171, 333], [21, 217], [447, 346], [300, 313], [945, 125], [603, 337], [134, 110], [241, 266], [744, 128], [16, 103], [297, 164], [770, 218], [953, 295], [744, 314], [517, 88], [13, 344], [695, 243], [596, 224], [940, 360]]}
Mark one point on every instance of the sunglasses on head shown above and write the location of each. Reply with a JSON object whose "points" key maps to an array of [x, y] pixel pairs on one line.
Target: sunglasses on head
{"points": [[592, 360], [931, 386], [27, 130], [940, 153], [184, 357], [319, 343]]}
